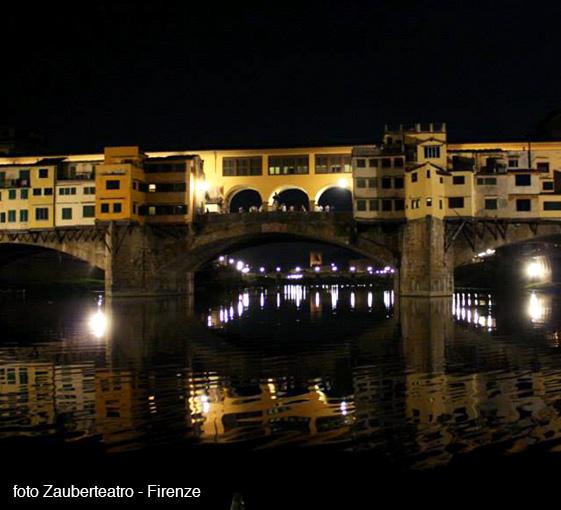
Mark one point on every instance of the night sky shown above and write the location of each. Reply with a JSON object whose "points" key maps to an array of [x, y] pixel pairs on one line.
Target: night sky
{"points": [[188, 75]]}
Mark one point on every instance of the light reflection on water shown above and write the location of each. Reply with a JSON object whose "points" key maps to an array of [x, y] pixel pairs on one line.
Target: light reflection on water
{"points": [[420, 381]]}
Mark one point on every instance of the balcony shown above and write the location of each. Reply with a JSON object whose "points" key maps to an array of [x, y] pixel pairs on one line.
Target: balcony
{"points": [[14, 183]]}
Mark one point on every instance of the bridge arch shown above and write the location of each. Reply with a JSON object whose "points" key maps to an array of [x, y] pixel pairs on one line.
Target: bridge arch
{"points": [[337, 197], [245, 197], [291, 195]]}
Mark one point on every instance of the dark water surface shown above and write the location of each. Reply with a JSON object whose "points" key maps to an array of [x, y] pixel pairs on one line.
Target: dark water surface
{"points": [[299, 372]]}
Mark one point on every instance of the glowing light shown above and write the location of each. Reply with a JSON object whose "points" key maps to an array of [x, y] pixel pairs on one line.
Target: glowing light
{"points": [[231, 261], [278, 269], [369, 269], [239, 265], [353, 299], [536, 308], [317, 269], [261, 269], [370, 300], [352, 269], [245, 270], [221, 258], [334, 268], [343, 183], [535, 270], [297, 269], [204, 186], [295, 276], [344, 408], [98, 324]]}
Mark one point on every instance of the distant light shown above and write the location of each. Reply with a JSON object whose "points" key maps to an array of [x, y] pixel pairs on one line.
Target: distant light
{"points": [[297, 269], [98, 324], [317, 269], [204, 186], [353, 269], [231, 261], [277, 269], [221, 258], [295, 276], [239, 265], [245, 270], [261, 269], [369, 268], [343, 183], [344, 408], [333, 268]]}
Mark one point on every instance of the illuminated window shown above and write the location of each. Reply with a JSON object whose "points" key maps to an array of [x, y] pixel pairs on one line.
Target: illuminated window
{"points": [[333, 163], [242, 166], [429, 202], [288, 165], [151, 188]]}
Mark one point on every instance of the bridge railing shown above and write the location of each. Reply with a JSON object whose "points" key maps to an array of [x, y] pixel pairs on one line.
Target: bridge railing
{"points": [[273, 216]]}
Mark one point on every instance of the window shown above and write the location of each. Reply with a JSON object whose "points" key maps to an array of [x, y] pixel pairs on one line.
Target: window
{"points": [[373, 205], [491, 203], [386, 205], [428, 174], [242, 166], [398, 162], [41, 213], [89, 190], [24, 175], [373, 163], [88, 211], [167, 167], [523, 204], [12, 194], [43, 173], [66, 213], [361, 183], [373, 182], [24, 193], [11, 216], [112, 184], [104, 208], [486, 181], [440, 204], [399, 204], [552, 206], [288, 165], [386, 163], [3, 217], [415, 204], [151, 188], [432, 151], [523, 180], [547, 186], [458, 179], [361, 163], [333, 163], [414, 177], [456, 202], [48, 191], [398, 182], [429, 202], [543, 166], [513, 163], [117, 207], [386, 182], [23, 215], [36, 192], [361, 205]]}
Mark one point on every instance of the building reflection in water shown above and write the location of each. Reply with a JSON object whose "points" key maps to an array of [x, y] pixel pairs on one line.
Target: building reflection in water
{"points": [[420, 381]]}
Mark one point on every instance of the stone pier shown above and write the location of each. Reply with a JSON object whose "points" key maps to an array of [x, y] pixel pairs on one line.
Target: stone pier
{"points": [[426, 269]]}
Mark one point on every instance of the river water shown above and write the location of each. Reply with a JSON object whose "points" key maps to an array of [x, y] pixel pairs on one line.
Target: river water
{"points": [[415, 384]]}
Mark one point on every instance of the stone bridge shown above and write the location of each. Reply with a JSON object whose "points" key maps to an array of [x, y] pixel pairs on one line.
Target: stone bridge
{"points": [[162, 259]]}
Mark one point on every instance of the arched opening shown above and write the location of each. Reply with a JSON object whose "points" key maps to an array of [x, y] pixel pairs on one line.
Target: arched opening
{"points": [[337, 198], [292, 198], [244, 200], [26, 265]]}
